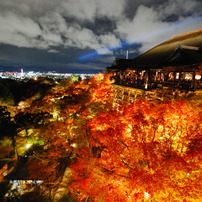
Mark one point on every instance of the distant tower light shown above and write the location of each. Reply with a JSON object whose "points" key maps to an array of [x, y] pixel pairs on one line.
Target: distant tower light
{"points": [[127, 54], [22, 73]]}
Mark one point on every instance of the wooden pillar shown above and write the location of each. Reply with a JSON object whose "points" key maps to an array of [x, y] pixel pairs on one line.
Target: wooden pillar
{"points": [[148, 72], [194, 79], [174, 81]]}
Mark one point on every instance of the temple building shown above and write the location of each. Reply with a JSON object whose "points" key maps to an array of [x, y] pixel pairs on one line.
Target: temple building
{"points": [[176, 63]]}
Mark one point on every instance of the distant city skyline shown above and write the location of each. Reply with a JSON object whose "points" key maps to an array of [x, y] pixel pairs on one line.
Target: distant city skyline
{"points": [[85, 36], [35, 75]]}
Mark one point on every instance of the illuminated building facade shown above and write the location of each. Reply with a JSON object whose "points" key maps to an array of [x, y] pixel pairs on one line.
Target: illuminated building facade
{"points": [[176, 64]]}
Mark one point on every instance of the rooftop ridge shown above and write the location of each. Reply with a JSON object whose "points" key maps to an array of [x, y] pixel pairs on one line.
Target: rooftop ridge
{"points": [[184, 36], [187, 34]]}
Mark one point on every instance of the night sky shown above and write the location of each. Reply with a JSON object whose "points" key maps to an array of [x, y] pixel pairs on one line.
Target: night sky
{"points": [[84, 36]]}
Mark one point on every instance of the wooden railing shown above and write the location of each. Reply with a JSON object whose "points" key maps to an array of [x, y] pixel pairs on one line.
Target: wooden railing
{"points": [[130, 95]]}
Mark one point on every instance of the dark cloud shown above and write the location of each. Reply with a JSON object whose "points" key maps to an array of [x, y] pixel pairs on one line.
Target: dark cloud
{"points": [[48, 28]]}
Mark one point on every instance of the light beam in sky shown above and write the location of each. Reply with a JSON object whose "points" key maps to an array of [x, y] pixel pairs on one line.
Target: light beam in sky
{"points": [[140, 38]]}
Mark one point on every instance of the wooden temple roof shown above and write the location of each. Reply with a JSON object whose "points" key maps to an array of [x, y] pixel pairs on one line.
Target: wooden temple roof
{"points": [[183, 49]]}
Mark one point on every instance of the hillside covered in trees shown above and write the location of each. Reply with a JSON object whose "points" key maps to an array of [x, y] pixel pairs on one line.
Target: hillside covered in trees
{"points": [[83, 149]]}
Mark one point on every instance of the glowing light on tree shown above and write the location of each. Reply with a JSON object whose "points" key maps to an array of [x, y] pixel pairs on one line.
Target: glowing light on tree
{"points": [[27, 146]]}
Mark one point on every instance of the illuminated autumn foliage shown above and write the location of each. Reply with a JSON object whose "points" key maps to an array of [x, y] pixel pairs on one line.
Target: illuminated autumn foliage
{"points": [[142, 152], [145, 151]]}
